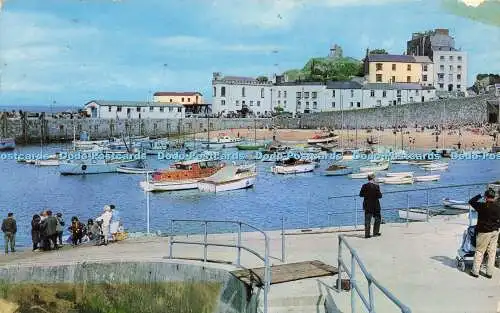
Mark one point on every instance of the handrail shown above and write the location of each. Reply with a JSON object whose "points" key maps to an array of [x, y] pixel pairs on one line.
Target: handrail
{"points": [[412, 190], [355, 259], [239, 246]]}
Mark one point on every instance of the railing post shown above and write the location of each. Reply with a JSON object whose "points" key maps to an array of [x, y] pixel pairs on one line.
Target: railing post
{"points": [[339, 266], [283, 245], [171, 239], [238, 261], [470, 208], [266, 274], [428, 203], [353, 283], [205, 245], [355, 213], [407, 209], [371, 309]]}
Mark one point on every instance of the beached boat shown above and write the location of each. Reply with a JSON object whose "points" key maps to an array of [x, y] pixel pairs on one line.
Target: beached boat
{"points": [[417, 214], [327, 146], [250, 146], [7, 144], [456, 204], [425, 178], [338, 170], [399, 174], [231, 177], [398, 180], [331, 137], [380, 167], [360, 175], [181, 175], [293, 166], [93, 166]]}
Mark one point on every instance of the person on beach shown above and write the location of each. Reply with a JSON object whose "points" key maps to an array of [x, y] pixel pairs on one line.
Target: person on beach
{"points": [[115, 222], [60, 228], [90, 229], [9, 229], [77, 230], [35, 232], [106, 220], [50, 231], [371, 205], [488, 224]]}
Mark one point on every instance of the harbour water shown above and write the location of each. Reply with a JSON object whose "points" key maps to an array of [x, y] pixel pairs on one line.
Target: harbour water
{"points": [[302, 199]]}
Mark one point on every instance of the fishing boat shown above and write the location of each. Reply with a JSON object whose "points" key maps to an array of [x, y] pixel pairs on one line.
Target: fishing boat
{"points": [[456, 204], [293, 166], [435, 167], [222, 142], [380, 167], [7, 144], [338, 170], [230, 177], [425, 178], [399, 174], [93, 166], [181, 175], [140, 168], [398, 180], [330, 137], [328, 147], [153, 147], [417, 214], [360, 175]]}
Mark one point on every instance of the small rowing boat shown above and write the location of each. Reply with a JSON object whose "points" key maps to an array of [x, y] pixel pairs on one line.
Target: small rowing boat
{"points": [[399, 174], [397, 180], [360, 175], [338, 170], [427, 178], [293, 166], [417, 214], [456, 204], [380, 167]]}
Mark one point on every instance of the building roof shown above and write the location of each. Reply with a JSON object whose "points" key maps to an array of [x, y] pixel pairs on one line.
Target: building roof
{"points": [[301, 83], [133, 103], [239, 78], [343, 85], [391, 58], [396, 86], [422, 59], [173, 94]]}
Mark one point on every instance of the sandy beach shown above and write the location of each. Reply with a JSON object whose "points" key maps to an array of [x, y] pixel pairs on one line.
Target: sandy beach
{"points": [[471, 138]]}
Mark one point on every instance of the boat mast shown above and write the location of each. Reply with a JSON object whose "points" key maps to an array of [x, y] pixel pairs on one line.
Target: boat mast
{"points": [[255, 131], [208, 132], [74, 136]]}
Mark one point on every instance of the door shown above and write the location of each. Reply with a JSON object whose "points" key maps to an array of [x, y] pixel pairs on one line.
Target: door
{"points": [[93, 112], [450, 87], [128, 112]]}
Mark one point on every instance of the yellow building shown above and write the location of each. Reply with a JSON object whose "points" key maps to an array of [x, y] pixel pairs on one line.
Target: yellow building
{"points": [[388, 68], [185, 98]]}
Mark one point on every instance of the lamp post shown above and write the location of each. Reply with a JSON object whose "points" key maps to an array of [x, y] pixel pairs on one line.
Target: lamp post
{"points": [[147, 202]]}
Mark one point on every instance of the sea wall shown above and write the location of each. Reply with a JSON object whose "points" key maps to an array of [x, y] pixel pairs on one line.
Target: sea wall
{"points": [[233, 298]]}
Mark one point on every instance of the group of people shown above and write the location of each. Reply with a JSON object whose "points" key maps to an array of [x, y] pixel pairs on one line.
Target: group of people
{"points": [[47, 229], [487, 228]]}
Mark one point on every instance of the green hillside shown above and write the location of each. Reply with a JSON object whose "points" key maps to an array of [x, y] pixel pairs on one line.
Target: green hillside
{"points": [[325, 69]]}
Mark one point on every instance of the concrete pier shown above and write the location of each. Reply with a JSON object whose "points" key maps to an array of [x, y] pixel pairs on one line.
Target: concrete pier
{"points": [[416, 263]]}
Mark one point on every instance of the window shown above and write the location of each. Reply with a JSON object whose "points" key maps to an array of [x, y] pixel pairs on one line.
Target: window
{"points": [[298, 94], [243, 102], [451, 68], [179, 110], [379, 103], [138, 109], [306, 94], [459, 67], [222, 91], [314, 94], [441, 58], [352, 93], [307, 104], [284, 94], [393, 79], [441, 86], [372, 93], [109, 109], [189, 99], [408, 79], [333, 94], [118, 109], [162, 109], [170, 109], [411, 99], [215, 92], [243, 91], [279, 93], [450, 77], [379, 78], [237, 102], [408, 67], [170, 101], [451, 58], [398, 93], [284, 103], [333, 104], [298, 104], [359, 104], [182, 99], [251, 103], [424, 78], [425, 68], [459, 58], [459, 87], [459, 77], [394, 67], [151, 109], [262, 92], [384, 93], [379, 66], [352, 104], [315, 105], [258, 103], [441, 67], [416, 92]]}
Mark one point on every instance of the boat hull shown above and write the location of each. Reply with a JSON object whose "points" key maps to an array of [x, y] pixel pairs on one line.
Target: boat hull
{"points": [[427, 178], [377, 168], [84, 168], [360, 175], [7, 144], [400, 174], [341, 172], [413, 215], [293, 169], [169, 186], [132, 170], [458, 205], [47, 163], [242, 183], [249, 147], [322, 140]]}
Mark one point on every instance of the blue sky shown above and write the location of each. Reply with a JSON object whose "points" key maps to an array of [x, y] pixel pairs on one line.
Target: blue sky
{"points": [[66, 52]]}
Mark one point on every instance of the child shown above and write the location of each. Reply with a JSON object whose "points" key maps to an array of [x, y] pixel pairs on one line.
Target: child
{"points": [[60, 228], [76, 230]]}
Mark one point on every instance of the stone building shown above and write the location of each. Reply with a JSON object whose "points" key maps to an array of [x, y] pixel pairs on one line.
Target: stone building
{"points": [[133, 110]]}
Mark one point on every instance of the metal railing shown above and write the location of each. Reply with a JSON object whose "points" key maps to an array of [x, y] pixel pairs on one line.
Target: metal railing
{"points": [[239, 246], [370, 302]]}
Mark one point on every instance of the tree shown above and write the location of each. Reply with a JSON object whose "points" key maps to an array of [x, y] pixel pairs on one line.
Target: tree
{"points": [[262, 79], [378, 51]]}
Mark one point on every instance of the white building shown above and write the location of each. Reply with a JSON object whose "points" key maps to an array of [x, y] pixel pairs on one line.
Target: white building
{"points": [[133, 109], [450, 70], [231, 94]]}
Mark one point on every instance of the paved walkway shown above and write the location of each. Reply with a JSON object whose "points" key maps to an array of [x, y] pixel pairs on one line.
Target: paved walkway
{"points": [[416, 263]]}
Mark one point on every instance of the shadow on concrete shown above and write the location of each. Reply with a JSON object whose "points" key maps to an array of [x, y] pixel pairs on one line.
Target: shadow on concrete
{"points": [[327, 291], [445, 260]]}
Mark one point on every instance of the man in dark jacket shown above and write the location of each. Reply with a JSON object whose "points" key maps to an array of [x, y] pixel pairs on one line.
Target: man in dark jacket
{"points": [[9, 228], [50, 230], [488, 223], [371, 205]]}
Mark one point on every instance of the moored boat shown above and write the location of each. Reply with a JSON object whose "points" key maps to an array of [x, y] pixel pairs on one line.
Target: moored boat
{"points": [[222, 142], [293, 166], [456, 204], [380, 167], [250, 146], [330, 137], [7, 144], [229, 178], [84, 167], [398, 180], [425, 178], [435, 167], [399, 174], [417, 214], [360, 175], [338, 170]]}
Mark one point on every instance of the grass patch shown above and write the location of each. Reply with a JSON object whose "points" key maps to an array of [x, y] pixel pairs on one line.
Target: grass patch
{"points": [[172, 297]]}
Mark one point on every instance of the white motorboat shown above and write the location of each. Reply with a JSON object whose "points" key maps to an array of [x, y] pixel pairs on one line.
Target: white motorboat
{"points": [[380, 167], [456, 204], [399, 174], [425, 178], [414, 214], [231, 177], [435, 167], [360, 175], [222, 142], [83, 167], [398, 180], [48, 162], [293, 166]]}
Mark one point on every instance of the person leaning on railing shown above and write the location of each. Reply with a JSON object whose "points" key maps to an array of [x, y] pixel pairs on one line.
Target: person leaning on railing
{"points": [[488, 224]]}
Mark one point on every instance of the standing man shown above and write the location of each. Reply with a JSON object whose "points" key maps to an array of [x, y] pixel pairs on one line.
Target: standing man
{"points": [[371, 205], [488, 223], [106, 217], [9, 228]]}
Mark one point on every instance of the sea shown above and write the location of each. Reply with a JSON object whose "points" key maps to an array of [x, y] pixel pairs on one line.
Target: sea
{"points": [[303, 201]]}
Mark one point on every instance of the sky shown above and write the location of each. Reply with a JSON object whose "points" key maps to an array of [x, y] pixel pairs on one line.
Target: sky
{"points": [[68, 52]]}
